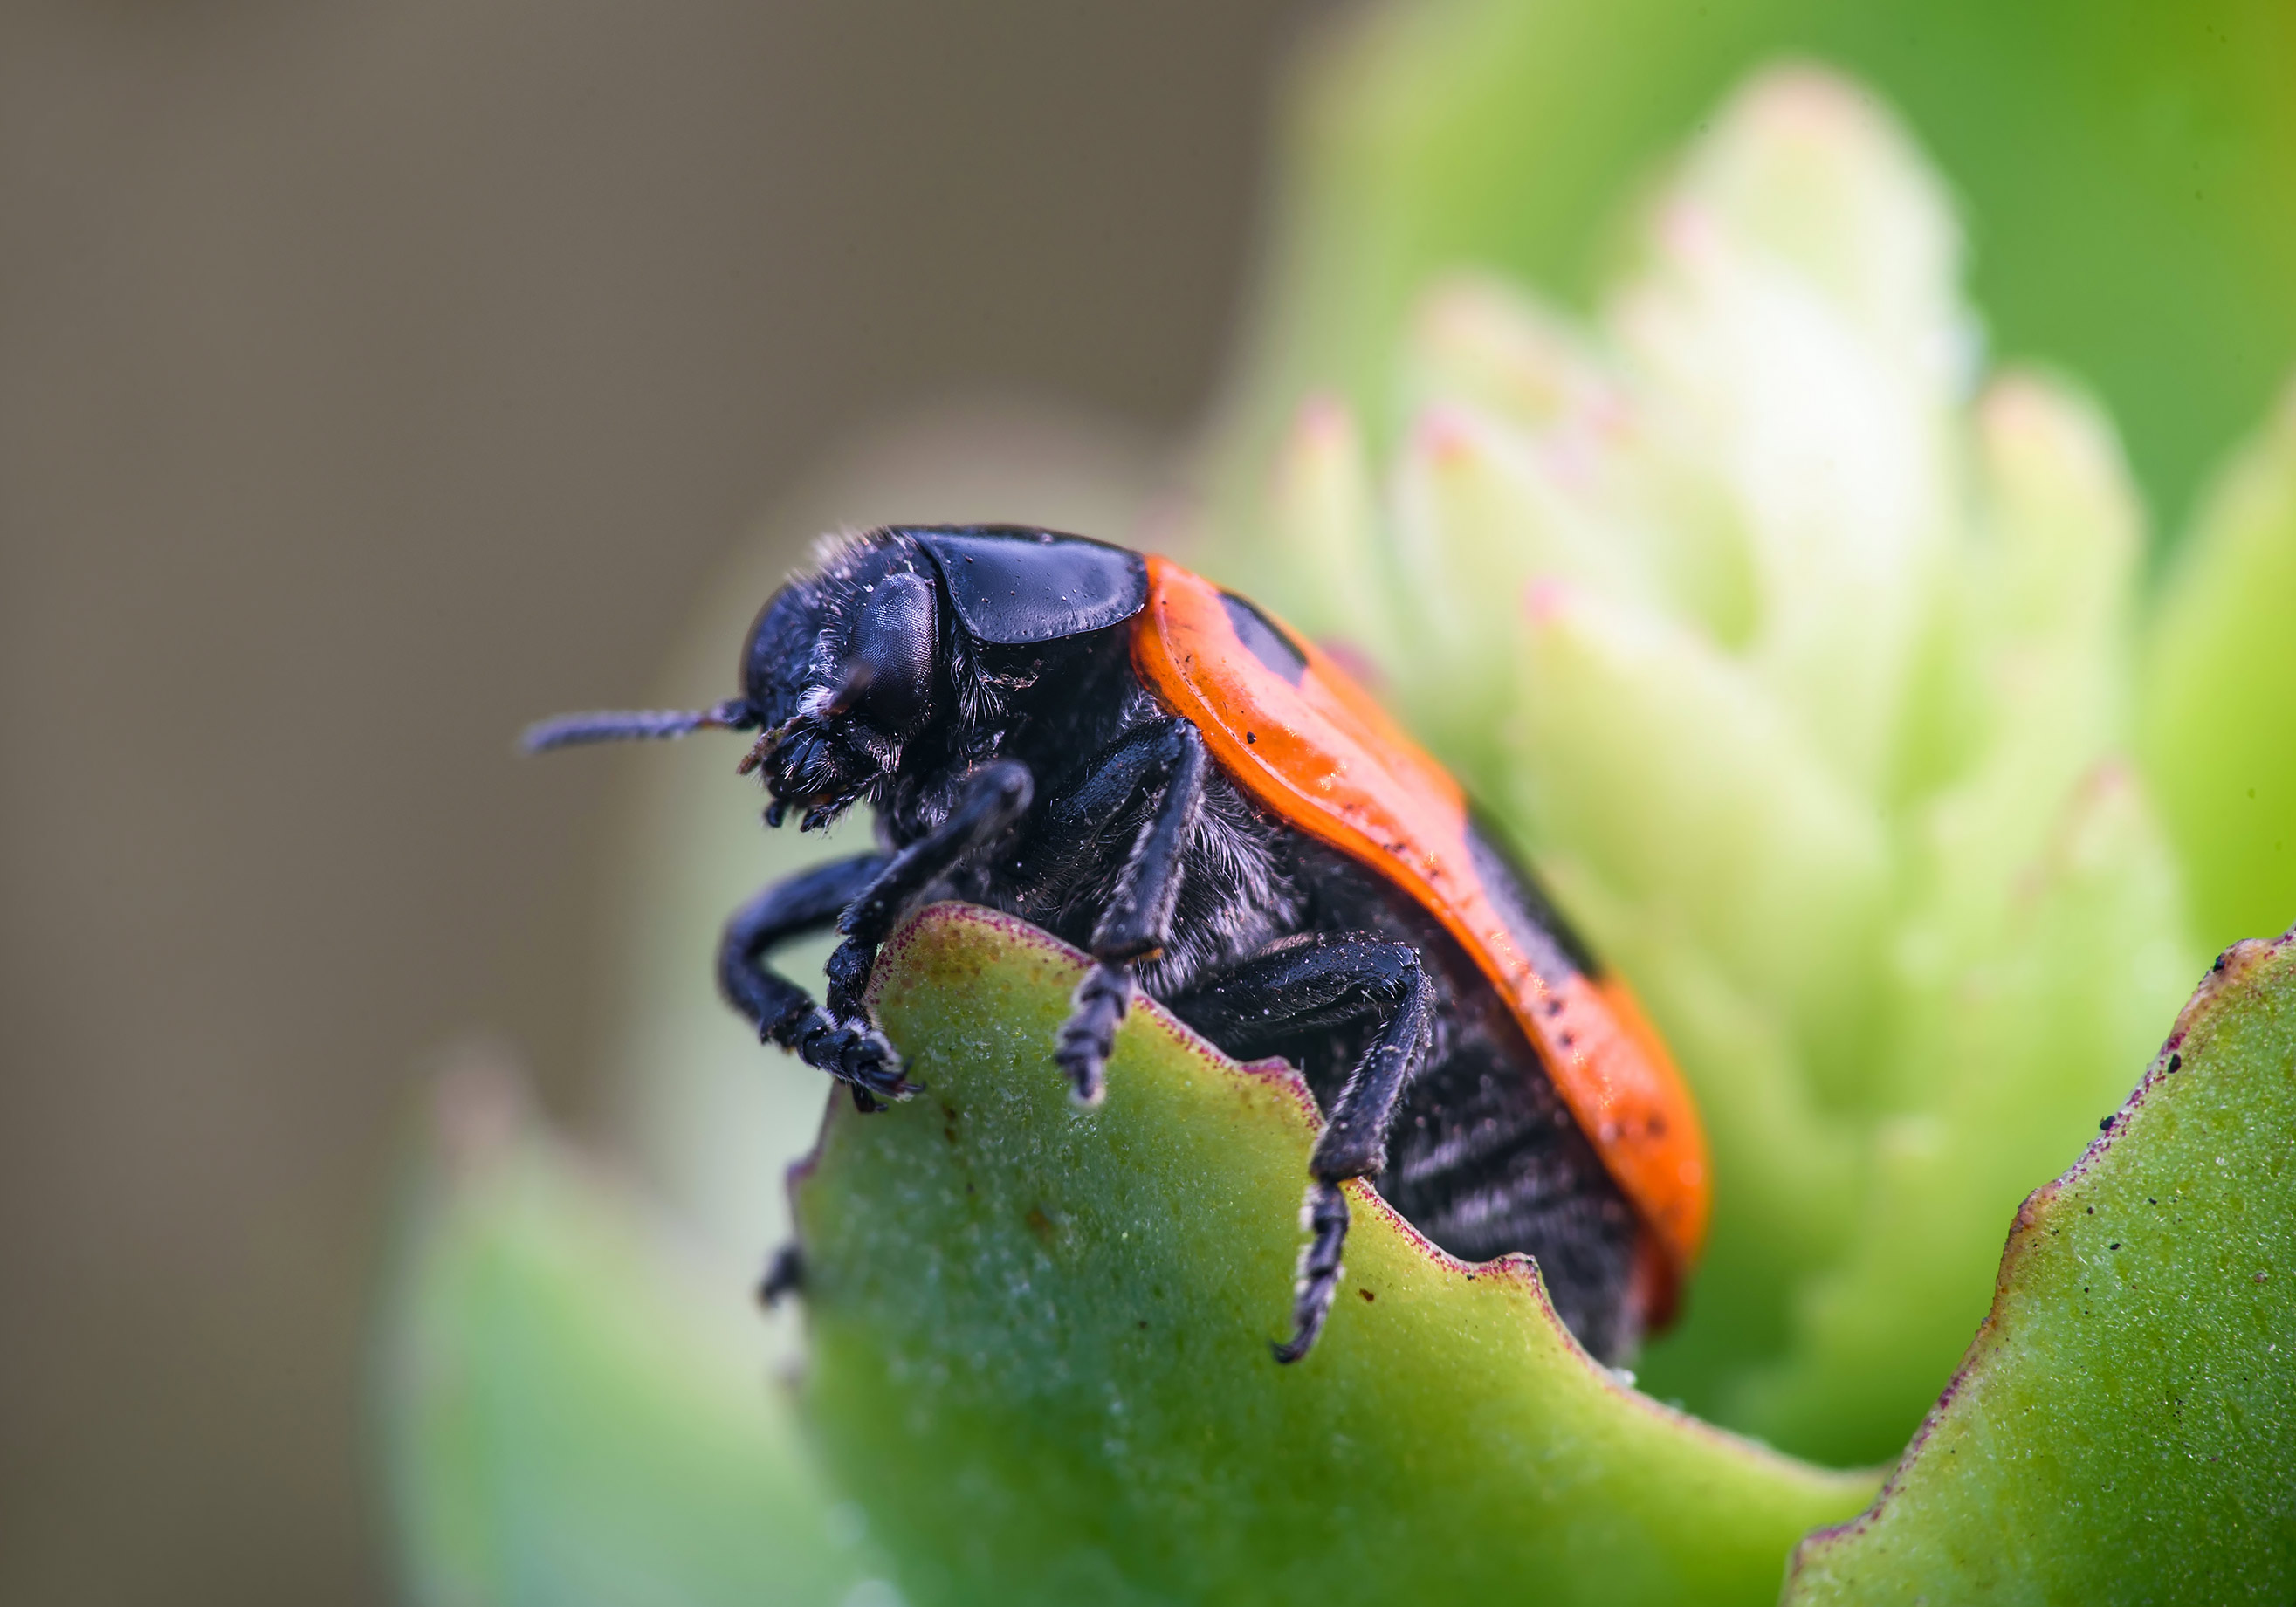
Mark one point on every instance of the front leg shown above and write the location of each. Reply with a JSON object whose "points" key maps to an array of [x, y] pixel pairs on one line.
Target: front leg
{"points": [[1165, 763], [1304, 985], [996, 795], [784, 1012]]}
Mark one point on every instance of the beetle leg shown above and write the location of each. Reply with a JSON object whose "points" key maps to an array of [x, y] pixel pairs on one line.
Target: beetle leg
{"points": [[997, 795], [1308, 985], [1167, 762], [784, 1012]]}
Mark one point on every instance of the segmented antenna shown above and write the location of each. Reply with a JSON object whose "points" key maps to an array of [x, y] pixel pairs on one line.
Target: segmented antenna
{"points": [[632, 725]]}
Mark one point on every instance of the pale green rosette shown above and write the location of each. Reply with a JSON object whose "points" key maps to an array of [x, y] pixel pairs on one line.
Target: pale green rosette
{"points": [[1794, 646]]}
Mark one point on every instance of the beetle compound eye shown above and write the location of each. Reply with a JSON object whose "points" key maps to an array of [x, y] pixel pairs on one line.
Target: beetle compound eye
{"points": [[774, 655], [888, 669]]}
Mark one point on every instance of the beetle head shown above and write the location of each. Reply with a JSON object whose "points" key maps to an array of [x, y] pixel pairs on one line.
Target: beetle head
{"points": [[841, 670]]}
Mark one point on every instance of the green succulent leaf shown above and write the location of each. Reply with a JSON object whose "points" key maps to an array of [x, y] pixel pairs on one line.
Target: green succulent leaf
{"points": [[2219, 705], [1040, 1346], [2123, 1425], [569, 1419]]}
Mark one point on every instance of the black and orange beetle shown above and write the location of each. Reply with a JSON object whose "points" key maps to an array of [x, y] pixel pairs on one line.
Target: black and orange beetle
{"points": [[1157, 771]]}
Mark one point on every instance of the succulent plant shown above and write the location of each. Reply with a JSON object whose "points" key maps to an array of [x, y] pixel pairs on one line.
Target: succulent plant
{"points": [[1814, 661], [1798, 652]]}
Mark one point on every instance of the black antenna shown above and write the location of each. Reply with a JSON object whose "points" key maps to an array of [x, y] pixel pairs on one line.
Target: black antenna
{"points": [[632, 725]]}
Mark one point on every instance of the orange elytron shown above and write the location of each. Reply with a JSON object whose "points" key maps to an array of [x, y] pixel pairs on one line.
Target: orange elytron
{"points": [[1323, 758]]}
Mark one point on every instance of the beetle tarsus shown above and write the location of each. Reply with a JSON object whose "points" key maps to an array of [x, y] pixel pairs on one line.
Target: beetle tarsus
{"points": [[1089, 1036], [1324, 1213], [854, 1052]]}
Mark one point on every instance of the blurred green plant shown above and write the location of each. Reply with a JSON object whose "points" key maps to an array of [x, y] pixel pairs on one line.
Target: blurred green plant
{"points": [[572, 1412], [1798, 656], [1812, 661], [2125, 170], [2120, 1429]]}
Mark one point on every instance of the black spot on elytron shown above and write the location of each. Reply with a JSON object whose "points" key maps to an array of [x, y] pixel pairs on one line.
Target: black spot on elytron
{"points": [[1256, 632]]}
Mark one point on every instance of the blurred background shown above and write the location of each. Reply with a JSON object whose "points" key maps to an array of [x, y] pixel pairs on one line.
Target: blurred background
{"points": [[375, 378]]}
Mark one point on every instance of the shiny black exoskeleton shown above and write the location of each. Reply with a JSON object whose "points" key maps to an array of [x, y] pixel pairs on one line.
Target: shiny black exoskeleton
{"points": [[974, 686]]}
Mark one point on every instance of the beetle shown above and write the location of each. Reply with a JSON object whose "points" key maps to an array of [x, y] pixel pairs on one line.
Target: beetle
{"points": [[1167, 776]]}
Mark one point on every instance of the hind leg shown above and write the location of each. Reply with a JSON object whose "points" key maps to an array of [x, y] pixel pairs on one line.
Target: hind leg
{"points": [[1304, 985]]}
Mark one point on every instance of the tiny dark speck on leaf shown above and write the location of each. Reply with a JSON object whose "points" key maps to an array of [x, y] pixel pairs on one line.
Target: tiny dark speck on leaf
{"points": [[1039, 1224], [2260, 1276], [1367, 1295], [2114, 1245], [2105, 1126], [2175, 1061], [2092, 1211], [1143, 1321]]}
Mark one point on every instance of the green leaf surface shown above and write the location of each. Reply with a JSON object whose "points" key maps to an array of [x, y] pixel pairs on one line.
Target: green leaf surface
{"points": [[569, 1419], [1040, 1346], [2123, 1426]]}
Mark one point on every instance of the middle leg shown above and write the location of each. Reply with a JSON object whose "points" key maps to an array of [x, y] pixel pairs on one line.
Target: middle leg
{"points": [[1157, 769]]}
